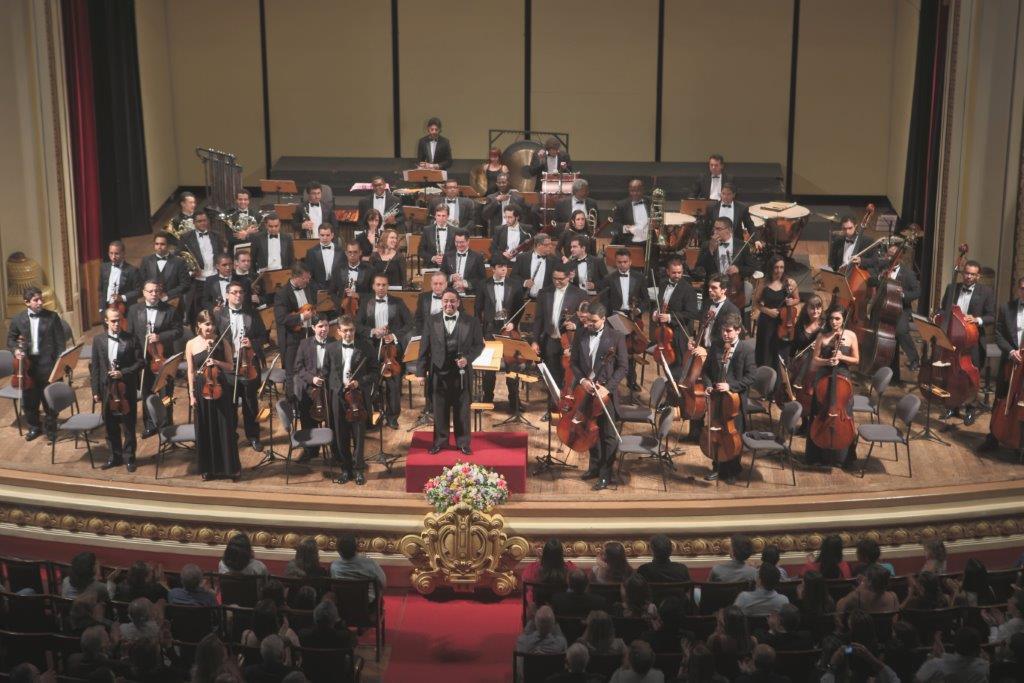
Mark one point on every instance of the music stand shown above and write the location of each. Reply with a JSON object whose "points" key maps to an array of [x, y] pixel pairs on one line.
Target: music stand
{"points": [[415, 214], [285, 212], [303, 245], [167, 372], [468, 191], [412, 355], [530, 198], [278, 187], [324, 302], [65, 364], [272, 280], [424, 176], [698, 208], [516, 351], [548, 462], [933, 335]]}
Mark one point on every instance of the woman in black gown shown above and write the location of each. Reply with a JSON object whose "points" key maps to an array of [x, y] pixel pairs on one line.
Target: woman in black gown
{"points": [[371, 228], [824, 360], [774, 293], [801, 374], [492, 168], [386, 260], [214, 419]]}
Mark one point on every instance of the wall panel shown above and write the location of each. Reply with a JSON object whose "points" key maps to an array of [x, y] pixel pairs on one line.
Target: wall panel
{"points": [[157, 100], [463, 62], [594, 76], [904, 63], [732, 99], [329, 78]]}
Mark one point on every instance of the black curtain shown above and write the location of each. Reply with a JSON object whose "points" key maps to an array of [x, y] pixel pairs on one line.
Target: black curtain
{"points": [[924, 144], [120, 140]]}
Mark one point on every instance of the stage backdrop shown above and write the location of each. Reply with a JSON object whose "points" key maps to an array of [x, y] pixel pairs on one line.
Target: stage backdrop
{"points": [[590, 70]]}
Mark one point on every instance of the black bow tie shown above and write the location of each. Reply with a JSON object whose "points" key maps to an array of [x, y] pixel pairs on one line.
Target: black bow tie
{"points": [[726, 245], [112, 338], [33, 315], [623, 274], [436, 296], [967, 290], [715, 177], [319, 343], [379, 196], [151, 308], [272, 237], [161, 258], [461, 255], [637, 203], [851, 240], [202, 234], [450, 201], [224, 279], [311, 205], [594, 333], [345, 346], [450, 319], [726, 206], [323, 248], [382, 301], [499, 283], [236, 311]]}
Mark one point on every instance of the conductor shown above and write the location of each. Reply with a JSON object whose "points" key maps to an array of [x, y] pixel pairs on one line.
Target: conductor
{"points": [[449, 344]]}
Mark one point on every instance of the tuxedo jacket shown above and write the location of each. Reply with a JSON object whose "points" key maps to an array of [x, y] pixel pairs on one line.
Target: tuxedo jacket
{"points": [[399, 317], [175, 277], [254, 330], [701, 188], [213, 291], [539, 166], [623, 212], [726, 308], [487, 305], [499, 239], [742, 368], [423, 311], [334, 364], [340, 278], [468, 341], [167, 326], [390, 202], [321, 279], [741, 219], [608, 373], [747, 262], [428, 243], [442, 151], [493, 216], [597, 271], [286, 313], [233, 217], [191, 242], [305, 363], [129, 360], [835, 252], [683, 302], [610, 291], [523, 268], [983, 302], [1006, 328], [474, 271], [467, 210], [544, 313], [327, 214], [563, 208], [567, 236], [260, 251], [52, 339], [129, 285], [911, 286]]}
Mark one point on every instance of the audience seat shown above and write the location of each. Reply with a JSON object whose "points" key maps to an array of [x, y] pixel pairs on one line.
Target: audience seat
{"points": [[604, 665], [929, 621], [329, 666], [236, 589], [716, 594], [797, 665], [21, 574], [536, 668], [357, 611], [27, 613], [571, 627]]}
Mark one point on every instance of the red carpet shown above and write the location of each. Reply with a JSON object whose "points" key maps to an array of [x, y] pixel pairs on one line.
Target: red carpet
{"points": [[503, 452], [451, 639]]}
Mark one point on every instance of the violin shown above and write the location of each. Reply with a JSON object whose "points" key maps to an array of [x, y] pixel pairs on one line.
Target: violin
{"points": [[694, 393], [390, 365], [721, 440], [737, 292], [318, 400], [22, 377], [577, 428], [212, 389], [353, 400], [303, 309], [833, 427], [786, 329], [1008, 411], [527, 244], [154, 351], [119, 305], [350, 304], [117, 393], [246, 363]]}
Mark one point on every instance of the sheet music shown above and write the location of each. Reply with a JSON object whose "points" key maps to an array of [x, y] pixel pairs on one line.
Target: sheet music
{"points": [[486, 357]]}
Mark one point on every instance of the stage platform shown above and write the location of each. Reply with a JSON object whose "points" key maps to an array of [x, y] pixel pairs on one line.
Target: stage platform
{"points": [[608, 179]]}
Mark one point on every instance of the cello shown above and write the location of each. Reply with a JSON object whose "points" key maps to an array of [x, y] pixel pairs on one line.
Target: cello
{"points": [[1008, 411], [577, 427], [694, 393], [720, 441], [636, 341], [663, 334], [833, 428], [565, 400], [878, 336]]}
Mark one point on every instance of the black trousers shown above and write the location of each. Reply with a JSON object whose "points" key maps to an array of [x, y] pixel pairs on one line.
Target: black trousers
{"points": [[288, 353], [488, 381], [602, 455], [731, 468], [392, 388], [250, 403], [121, 431], [452, 396], [32, 399], [551, 353], [349, 440]]}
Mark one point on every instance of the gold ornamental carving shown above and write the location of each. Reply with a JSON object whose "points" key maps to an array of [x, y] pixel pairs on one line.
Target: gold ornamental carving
{"points": [[23, 272], [463, 549]]}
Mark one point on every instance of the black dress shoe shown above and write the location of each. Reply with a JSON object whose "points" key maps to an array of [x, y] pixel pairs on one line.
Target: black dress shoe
{"points": [[600, 484], [466, 450], [256, 444], [970, 415], [148, 432], [305, 457], [948, 413], [711, 476], [111, 464], [434, 450], [131, 464], [360, 478], [730, 479], [589, 474], [989, 444], [207, 476], [343, 478], [33, 434], [393, 423]]}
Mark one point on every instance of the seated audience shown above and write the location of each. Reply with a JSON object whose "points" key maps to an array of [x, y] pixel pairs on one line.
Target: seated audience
{"points": [[764, 599], [813, 598], [1002, 626], [146, 659], [611, 565], [302, 598], [192, 591], [736, 568], [639, 666], [212, 660], [731, 643], [857, 626], [272, 667], [667, 632], [902, 653], [868, 554], [784, 633], [830, 560], [1009, 664], [599, 635], [857, 663], [762, 667], [925, 592], [577, 602], [576, 660], [239, 558], [273, 590], [351, 565], [551, 569], [88, 611], [541, 635], [142, 621], [635, 595], [699, 665], [964, 665], [266, 621], [95, 655], [771, 555], [934, 556], [306, 563], [871, 594], [327, 631], [83, 575], [975, 590], [139, 581], [661, 568]]}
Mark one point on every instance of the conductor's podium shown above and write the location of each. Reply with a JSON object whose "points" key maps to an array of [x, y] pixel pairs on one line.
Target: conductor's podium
{"points": [[503, 452]]}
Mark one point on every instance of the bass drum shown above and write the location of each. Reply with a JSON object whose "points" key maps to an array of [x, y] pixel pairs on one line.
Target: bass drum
{"points": [[517, 157]]}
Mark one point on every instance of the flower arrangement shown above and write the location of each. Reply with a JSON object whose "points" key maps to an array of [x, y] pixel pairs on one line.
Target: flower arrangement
{"points": [[478, 487]]}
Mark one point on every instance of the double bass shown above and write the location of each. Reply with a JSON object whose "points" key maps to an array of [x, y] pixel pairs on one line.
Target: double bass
{"points": [[833, 428], [577, 427], [694, 393], [720, 440], [878, 336], [565, 400], [858, 278], [663, 334], [1008, 410]]}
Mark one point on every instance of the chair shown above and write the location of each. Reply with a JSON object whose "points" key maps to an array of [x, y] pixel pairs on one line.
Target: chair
{"points": [[840, 588], [239, 589], [653, 445], [26, 613], [883, 625], [234, 621], [946, 621], [571, 627], [536, 668], [668, 663], [191, 623], [796, 665], [169, 436], [900, 585], [22, 574], [6, 370], [764, 385], [59, 397], [316, 437], [788, 587], [715, 595], [630, 628], [299, 619], [872, 401], [1002, 581], [329, 665], [660, 591], [61, 649], [17, 648], [700, 625], [606, 665], [768, 443], [642, 414], [611, 592], [906, 411], [357, 610]]}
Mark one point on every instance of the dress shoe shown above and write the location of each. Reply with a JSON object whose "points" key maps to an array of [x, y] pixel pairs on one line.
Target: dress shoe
{"points": [[148, 432], [589, 474], [466, 450], [600, 484], [256, 444], [914, 366], [434, 450], [546, 417], [393, 422], [970, 415], [33, 434], [131, 464], [948, 413], [342, 478], [711, 476], [989, 444], [633, 386], [305, 457], [360, 478], [730, 479], [111, 464]]}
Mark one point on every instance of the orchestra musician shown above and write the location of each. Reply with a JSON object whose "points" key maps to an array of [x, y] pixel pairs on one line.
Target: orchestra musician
{"points": [[314, 212], [437, 238], [588, 270], [461, 210], [154, 321], [273, 250], [215, 419], [848, 243], [536, 271], [737, 376], [428, 304], [382, 201], [722, 248], [386, 321], [241, 209], [36, 333], [449, 345], [354, 276], [492, 169], [166, 268], [371, 232], [312, 367], [709, 184], [433, 150], [823, 361], [1010, 339], [493, 214], [186, 209], [322, 259], [293, 308], [718, 305], [601, 377], [633, 215], [386, 259], [344, 360], [735, 211], [215, 289], [579, 200], [911, 287], [773, 294], [499, 299], [576, 227], [464, 267], [204, 246], [978, 303], [119, 280], [243, 273], [550, 159], [247, 331], [805, 333], [116, 357], [623, 291], [506, 237], [679, 298], [557, 312]]}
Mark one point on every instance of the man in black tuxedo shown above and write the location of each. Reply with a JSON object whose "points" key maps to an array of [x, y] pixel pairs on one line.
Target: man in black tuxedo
{"points": [[323, 259], [709, 184], [1009, 333], [737, 212], [154, 321], [677, 305], [557, 312], [242, 213], [352, 363], [550, 159], [166, 268], [621, 291], [493, 213], [461, 210], [247, 331], [314, 212], [506, 238], [428, 303], [599, 361], [589, 271], [290, 298], [312, 367], [381, 199], [716, 307], [844, 248], [438, 238], [385, 321], [204, 246], [448, 347], [464, 267], [500, 298], [272, 250], [434, 151], [353, 276], [632, 216], [38, 334], [911, 287], [535, 271], [118, 279], [243, 273], [579, 200], [186, 209], [116, 356], [978, 302], [723, 249], [215, 289], [738, 376]]}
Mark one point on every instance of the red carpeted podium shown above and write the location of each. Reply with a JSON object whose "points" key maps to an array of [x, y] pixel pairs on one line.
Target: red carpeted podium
{"points": [[503, 452]]}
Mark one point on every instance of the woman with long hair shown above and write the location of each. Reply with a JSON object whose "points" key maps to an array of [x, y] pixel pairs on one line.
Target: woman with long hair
{"points": [[731, 642], [306, 563], [824, 360], [369, 232], [492, 168], [829, 562], [773, 294], [552, 570], [386, 260], [215, 419], [813, 598], [238, 558], [611, 565], [599, 635]]}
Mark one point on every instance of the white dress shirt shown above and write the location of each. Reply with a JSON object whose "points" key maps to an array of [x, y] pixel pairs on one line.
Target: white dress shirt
{"points": [[114, 282], [380, 313], [460, 263], [514, 237], [380, 203], [346, 360], [353, 276], [112, 344], [848, 250], [556, 310], [716, 187], [160, 263], [433, 149], [539, 268], [316, 215], [237, 320], [223, 282], [321, 351], [328, 257], [595, 341], [707, 333], [442, 238], [151, 315], [578, 205], [435, 304], [274, 253], [727, 211], [206, 250], [640, 222], [449, 325], [724, 256], [667, 294], [963, 300], [1020, 322], [453, 211], [582, 273], [624, 288], [300, 298], [552, 162], [499, 294], [33, 326]]}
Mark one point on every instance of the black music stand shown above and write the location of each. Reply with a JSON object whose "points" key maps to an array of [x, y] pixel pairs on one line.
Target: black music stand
{"points": [[516, 350], [412, 354], [548, 462], [934, 336], [269, 454], [382, 456]]}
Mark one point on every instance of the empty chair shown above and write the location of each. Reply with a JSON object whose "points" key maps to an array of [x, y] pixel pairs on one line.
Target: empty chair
{"points": [[59, 397], [317, 437], [654, 445], [906, 411], [768, 443], [645, 414], [22, 574], [764, 385], [169, 436], [7, 370], [872, 401]]}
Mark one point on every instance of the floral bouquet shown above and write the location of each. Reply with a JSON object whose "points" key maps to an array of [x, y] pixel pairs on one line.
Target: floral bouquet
{"points": [[478, 487]]}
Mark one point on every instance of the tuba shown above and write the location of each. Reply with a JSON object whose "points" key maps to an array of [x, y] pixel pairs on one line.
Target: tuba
{"points": [[180, 249]]}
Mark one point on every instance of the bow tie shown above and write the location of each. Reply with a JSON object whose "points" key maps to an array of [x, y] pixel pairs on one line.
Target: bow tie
{"points": [[272, 237], [726, 245], [715, 177], [378, 196], [450, 201], [726, 206], [112, 337], [151, 308], [345, 346], [311, 205], [382, 301], [851, 240], [499, 283], [224, 279], [319, 343], [33, 315], [623, 274], [637, 203], [236, 311], [325, 248], [594, 333], [461, 254], [967, 290], [161, 258], [436, 296], [450, 319], [202, 234]]}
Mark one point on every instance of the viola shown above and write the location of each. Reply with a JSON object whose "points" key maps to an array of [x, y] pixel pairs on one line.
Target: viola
{"points": [[833, 427], [154, 352], [22, 377], [303, 309], [663, 338], [247, 368], [694, 394], [212, 389], [390, 365], [577, 428], [1008, 411], [720, 440], [353, 400], [117, 394], [318, 401], [119, 305]]}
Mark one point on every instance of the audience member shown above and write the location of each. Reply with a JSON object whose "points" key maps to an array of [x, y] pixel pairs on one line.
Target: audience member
{"points": [[925, 592], [964, 665], [735, 569], [731, 643], [142, 623], [28, 673], [771, 555], [611, 565], [211, 660], [88, 611], [934, 556], [1002, 626], [857, 626], [667, 631], [576, 660], [273, 590], [856, 663], [146, 659], [95, 654], [813, 598], [639, 666], [699, 665], [302, 598], [140, 581], [551, 569], [577, 601], [83, 575], [830, 560], [1009, 667], [239, 558], [871, 594], [975, 589], [661, 568], [541, 635], [306, 563], [272, 667], [599, 635], [352, 565], [295, 677], [327, 631], [192, 591], [635, 596], [868, 554], [266, 621], [901, 652], [784, 633], [762, 669], [764, 599]]}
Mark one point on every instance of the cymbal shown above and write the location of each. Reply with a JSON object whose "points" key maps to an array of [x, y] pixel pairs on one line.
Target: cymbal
{"points": [[830, 217]]}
